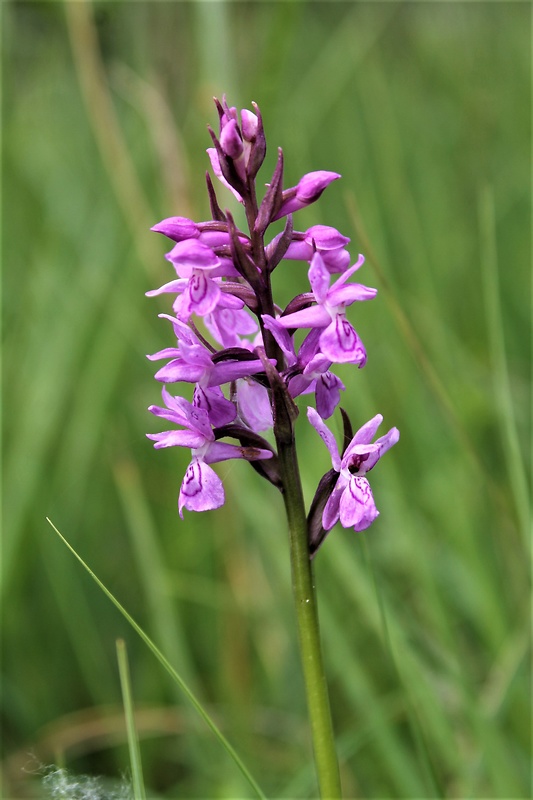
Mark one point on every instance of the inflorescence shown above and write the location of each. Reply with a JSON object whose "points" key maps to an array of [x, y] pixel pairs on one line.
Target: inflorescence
{"points": [[224, 278]]}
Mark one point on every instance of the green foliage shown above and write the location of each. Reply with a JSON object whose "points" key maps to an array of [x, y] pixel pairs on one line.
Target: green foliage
{"points": [[424, 110]]}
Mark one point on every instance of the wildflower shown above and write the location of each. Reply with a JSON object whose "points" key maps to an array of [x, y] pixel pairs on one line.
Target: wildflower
{"points": [[351, 501], [307, 190], [201, 489], [324, 239], [339, 341], [309, 371]]}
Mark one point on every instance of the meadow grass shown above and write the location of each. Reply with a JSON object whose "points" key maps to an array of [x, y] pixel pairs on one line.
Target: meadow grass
{"points": [[424, 109]]}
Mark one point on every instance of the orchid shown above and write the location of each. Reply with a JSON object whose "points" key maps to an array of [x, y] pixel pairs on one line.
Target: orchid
{"points": [[239, 350], [201, 489], [308, 189], [339, 341], [352, 501]]}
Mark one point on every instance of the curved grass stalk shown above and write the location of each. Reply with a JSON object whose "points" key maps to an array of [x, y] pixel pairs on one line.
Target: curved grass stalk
{"points": [[170, 669]]}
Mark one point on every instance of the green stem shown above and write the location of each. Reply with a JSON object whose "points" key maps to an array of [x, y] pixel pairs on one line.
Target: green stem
{"points": [[307, 616]]}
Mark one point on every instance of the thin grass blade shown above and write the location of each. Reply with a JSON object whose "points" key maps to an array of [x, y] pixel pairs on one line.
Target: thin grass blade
{"points": [[170, 669], [133, 739]]}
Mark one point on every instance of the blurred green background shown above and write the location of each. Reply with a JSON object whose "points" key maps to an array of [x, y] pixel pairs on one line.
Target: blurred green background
{"points": [[424, 109]]}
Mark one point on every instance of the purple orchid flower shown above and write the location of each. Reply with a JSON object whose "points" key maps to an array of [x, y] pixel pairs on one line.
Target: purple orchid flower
{"points": [[201, 489], [226, 325], [307, 190], [179, 229], [191, 362], [339, 341], [352, 501], [309, 370], [324, 239], [199, 269]]}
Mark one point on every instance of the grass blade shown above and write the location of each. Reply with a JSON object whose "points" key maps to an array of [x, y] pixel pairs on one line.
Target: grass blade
{"points": [[170, 669], [133, 739]]}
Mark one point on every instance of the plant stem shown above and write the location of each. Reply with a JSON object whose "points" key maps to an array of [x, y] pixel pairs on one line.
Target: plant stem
{"points": [[307, 616]]}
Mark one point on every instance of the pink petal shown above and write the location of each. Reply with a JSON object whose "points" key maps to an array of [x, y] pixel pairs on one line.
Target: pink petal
{"points": [[331, 511], [313, 317], [328, 394], [254, 405], [178, 370], [384, 443], [201, 297], [326, 435], [177, 285], [201, 490], [319, 278], [341, 344], [357, 508], [176, 439]]}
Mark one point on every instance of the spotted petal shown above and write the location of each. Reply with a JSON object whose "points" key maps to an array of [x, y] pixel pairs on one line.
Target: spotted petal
{"points": [[340, 343], [357, 508], [201, 490]]}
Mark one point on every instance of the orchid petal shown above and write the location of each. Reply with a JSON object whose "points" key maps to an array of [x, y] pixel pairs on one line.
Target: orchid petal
{"points": [[201, 490], [176, 439], [178, 370], [340, 343], [167, 352], [357, 508], [201, 297], [312, 317], [177, 228], [219, 410], [215, 164], [328, 394], [177, 285], [331, 512], [254, 405], [326, 435], [319, 278], [350, 293], [384, 443]]}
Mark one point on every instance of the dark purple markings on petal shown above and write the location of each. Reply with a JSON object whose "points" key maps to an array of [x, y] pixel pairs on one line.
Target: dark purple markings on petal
{"points": [[192, 482], [346, 334], [356, 462], [357, 507], [340, 343], [327, 393], [198, 287]]}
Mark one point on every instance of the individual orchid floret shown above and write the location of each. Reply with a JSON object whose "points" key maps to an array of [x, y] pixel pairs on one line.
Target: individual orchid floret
{"points": [[253, 405], [308, 189], [213, 234], [196, 265], [217, 169], [201, 489], [194, 364], [339, 341], [351, 501], [324, 239], [184, 304], [227, 325], [239, 150], [309, 370]]}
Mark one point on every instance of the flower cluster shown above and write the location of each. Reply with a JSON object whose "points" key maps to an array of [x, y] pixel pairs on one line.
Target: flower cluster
{"points": [[239, 349]]}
